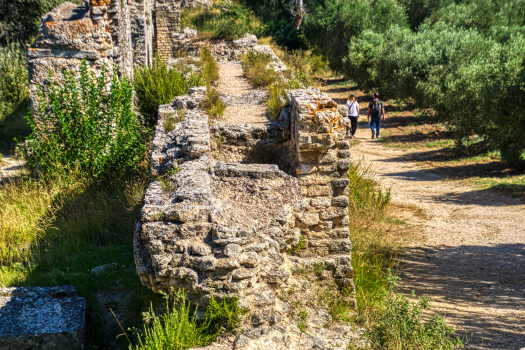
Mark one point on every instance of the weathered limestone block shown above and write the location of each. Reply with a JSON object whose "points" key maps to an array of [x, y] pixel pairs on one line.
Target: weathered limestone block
{"points": [[247, 41], [42, 318]]}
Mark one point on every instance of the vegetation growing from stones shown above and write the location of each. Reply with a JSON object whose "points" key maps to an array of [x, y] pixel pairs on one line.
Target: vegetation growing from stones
{"points": [[213, 105], [169, 121], [226, 20], [259, 73], [158, 85], [85, 124], [210, 69], [178, 327]]}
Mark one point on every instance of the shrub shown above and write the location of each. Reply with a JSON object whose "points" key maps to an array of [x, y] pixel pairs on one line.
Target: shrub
{"points": [[19, 19], [157, 85], [466, 77], [14, 84], [210, 69], [85, 123], [256, 70], [177, 329], [397, 324]]}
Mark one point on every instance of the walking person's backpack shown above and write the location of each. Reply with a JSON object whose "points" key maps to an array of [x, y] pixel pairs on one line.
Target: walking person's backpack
{"points": [[377, 107]]}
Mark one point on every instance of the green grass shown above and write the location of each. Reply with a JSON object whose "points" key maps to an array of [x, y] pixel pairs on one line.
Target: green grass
{"points": [[157, 85], [178, 328], [513, 186], [213, 105], [55, 233], [210, 69], [440, 144]]}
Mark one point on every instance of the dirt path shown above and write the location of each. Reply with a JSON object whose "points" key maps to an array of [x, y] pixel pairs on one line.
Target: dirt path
{"points": [[10, 167], [471, 255], [244, 103]]}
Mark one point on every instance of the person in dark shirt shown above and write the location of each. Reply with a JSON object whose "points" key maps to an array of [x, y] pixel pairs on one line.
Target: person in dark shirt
{"points": [[375, 111]]}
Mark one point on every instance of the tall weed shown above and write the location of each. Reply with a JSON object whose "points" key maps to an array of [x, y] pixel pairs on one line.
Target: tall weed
{"points": [[14, 84], [178, 327], [85, 123], [213, 105], [367, 199], [210, 69], [256, 70]]}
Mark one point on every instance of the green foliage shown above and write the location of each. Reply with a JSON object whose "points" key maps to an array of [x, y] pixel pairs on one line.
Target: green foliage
{"points": [[14, 84], [367, 199], [178, 327], [229, 21], [213, 105], [157, 85], [86, 123], [303, 317], [256, 70], [331, 24], [210, 69], [297, 247], [397, 324], [465, 76], [19, 19], [224, 314]]}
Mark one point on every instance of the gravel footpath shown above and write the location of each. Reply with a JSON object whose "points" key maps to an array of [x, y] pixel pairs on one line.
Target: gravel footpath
{"points": [[232, 83], [469, 253]]}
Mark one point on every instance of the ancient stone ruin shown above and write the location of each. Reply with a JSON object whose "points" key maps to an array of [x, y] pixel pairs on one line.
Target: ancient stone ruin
{"points": [[123, 33], [42, 318], [220, 221], [236, 207]]}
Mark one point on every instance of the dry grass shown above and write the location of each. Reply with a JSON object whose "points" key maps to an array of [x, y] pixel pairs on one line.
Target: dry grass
{"points": [[302, 60]]}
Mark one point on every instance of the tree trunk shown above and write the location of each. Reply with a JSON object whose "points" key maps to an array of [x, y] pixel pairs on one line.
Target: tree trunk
{"points": [[299, 13]]}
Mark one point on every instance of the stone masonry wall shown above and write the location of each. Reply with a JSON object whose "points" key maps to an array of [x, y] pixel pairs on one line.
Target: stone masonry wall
{"points": [[322, 153], [99, 33], [167, 22], [112, 32], [142, 31]]}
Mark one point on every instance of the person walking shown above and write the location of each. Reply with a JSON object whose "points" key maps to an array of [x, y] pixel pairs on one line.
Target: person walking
{"points": [[353, 114], [375, 110]]}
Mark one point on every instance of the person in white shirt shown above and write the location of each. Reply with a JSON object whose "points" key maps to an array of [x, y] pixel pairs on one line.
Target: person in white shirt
{"points": [[353, 113]]}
